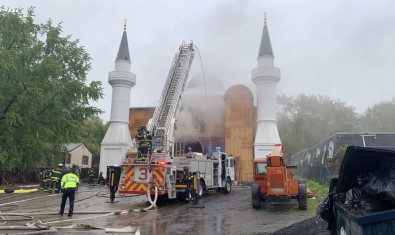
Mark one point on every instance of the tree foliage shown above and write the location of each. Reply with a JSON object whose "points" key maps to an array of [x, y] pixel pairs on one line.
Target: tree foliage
{"points": [[380, 117], [304, 121], [92, 134], [43, 96]]}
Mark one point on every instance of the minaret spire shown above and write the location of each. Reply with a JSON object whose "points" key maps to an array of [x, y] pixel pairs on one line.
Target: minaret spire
{"points": [[123, 52], [266, 47]]}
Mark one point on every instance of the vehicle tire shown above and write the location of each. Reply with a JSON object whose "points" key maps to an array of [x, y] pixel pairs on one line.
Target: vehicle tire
{"points": [[302, 197], [256, 196], [201, 189], [162, 200], [301, 181], [183, 197], [228, 186]]}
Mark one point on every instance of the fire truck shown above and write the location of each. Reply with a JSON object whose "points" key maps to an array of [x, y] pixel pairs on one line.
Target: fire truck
{"points": [[161, 175], [183, 178]]}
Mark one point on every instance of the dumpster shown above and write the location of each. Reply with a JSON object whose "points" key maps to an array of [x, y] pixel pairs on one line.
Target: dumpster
{"points": [[375, 223], [362, 199]]}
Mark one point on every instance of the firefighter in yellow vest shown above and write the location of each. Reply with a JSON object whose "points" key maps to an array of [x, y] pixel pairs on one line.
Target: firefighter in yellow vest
{"points": [[69, 184]]}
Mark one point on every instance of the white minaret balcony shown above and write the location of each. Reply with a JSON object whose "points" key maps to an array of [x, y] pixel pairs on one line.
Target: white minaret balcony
{"points": [[265, 74]]}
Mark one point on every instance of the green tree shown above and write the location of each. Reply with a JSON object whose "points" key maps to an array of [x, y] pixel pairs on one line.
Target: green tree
{"points": [[379, 117], [43, 96], [92, 134], [303, 121]]}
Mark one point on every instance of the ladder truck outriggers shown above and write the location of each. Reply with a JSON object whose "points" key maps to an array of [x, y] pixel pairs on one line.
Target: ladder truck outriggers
{"points": [[161, 175]]}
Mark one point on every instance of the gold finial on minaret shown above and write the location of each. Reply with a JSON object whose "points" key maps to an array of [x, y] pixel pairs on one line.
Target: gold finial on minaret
{"points": [[265, 22], [124, 26]]}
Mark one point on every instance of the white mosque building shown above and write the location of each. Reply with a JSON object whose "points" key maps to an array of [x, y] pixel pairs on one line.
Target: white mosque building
{"points": [[210, 115]]}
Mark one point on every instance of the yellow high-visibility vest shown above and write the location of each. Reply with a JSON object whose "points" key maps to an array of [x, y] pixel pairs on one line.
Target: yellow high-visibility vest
{"points": [[69, 180]]}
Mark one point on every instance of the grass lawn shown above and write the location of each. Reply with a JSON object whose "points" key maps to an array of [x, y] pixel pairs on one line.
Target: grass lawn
{"points": [[320, 192]]}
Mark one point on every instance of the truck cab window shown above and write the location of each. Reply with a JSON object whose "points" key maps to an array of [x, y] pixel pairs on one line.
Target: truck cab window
{"points": [[261, 168]]}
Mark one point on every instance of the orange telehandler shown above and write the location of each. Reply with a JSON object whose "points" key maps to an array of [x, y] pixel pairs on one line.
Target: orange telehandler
{"points": [[275, 182]]}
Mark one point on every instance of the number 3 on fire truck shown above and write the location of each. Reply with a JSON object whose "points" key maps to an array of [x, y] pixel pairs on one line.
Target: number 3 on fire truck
{"points": [[142, 174]]}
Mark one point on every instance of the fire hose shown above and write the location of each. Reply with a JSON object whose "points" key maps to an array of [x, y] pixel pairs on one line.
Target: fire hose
{"points": [[50, 230], [153, 203]]}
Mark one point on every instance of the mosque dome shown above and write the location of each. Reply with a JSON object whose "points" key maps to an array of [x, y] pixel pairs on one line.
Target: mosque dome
{"points": [[197, 84]]}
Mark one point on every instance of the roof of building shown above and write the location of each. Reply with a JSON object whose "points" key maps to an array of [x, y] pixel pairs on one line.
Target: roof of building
{"points": [[71, 146], [208, 81], [123, 52], [266, 47]]}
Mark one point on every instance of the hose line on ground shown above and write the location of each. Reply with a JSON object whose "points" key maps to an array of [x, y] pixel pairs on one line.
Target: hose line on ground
{"points": [[51, 195], [29, 215], [153, 203], [23, 217], [8, 207], [38, 230]]}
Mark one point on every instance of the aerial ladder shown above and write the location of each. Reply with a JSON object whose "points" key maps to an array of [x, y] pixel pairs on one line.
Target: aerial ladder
{"points": [[155, 175], [163, 121]]}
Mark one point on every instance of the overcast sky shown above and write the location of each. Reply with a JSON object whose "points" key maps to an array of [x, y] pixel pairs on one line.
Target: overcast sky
{"points": [[342, 49]]}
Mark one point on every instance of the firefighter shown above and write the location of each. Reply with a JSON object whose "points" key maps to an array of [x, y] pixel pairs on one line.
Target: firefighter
{"points": [[46, 179], [101, 180], [76, 169], [189, 180], [41, 178], [55, 179], [143, 139], [91, 174], [69, 184]]}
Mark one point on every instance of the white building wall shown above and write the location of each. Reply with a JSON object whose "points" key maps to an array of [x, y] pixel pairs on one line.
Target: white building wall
{"points": [[76, 157]]}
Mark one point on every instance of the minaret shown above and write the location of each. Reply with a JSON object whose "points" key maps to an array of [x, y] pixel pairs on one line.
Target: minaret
{"points": [[117, 139], [266, 76]]}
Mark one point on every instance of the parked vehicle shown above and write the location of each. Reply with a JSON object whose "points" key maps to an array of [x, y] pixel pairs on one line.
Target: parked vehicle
{"points": [[183, 178], [276, 182]]}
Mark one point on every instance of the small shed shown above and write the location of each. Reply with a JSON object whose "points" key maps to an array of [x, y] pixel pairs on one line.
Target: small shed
{"points": [[78, 154]]}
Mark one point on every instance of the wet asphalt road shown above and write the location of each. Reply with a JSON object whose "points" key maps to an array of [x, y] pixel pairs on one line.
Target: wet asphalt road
{"points": [[222, 213]]}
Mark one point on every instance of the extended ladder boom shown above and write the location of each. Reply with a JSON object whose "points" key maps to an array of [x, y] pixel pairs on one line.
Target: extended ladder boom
{"points": [[162, 123]]}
